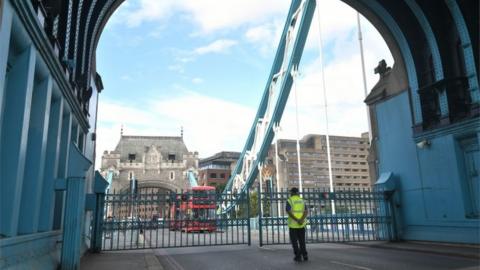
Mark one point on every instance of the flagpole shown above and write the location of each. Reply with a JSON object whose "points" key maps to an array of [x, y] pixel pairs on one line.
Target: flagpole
{"points": [[364, 76]]}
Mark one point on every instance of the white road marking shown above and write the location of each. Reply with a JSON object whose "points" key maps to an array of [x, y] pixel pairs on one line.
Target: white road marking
{"points": [[351, 265], [173, 263]]}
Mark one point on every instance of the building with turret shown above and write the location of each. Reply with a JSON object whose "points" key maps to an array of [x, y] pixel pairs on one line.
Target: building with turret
{"points": [[156, 162]]}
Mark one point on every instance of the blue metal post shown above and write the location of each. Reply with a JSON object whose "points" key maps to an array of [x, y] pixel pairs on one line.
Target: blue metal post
{"points": [[62, 168], [35, 163], [259, 205], [51, 165], [74, 208], [74, 205], [249, 228], [99, 188], [386, 183], [14, 138]]}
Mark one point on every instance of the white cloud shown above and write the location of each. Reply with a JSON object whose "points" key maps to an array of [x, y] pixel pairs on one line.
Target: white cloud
{"points": [[265, 36], [337, 21], [344, 85], [210, 124], [218, 46], [177, 68], [214, 15], [183, 57], [148, 10], [336, 18], [208, 15], [197, 80]]}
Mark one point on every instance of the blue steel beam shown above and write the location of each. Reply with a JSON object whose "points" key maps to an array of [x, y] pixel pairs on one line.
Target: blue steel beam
{"points": [[467, 49], [284, 91], [16, 120], [109, 178], [62, 167], [35, 163], [192, 179], [436, 59], [277, 64], [5, 30], [264, 101], [51, 164]]}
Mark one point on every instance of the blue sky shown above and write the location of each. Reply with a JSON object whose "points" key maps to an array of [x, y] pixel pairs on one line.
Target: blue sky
{"points": [[204, 64]]}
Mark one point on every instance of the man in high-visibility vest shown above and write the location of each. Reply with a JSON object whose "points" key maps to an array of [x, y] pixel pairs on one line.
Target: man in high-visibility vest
{"points": [[297, 214]]}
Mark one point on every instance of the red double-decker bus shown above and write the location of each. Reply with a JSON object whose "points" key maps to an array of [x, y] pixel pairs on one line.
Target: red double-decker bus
{"points": [[194, 211]]}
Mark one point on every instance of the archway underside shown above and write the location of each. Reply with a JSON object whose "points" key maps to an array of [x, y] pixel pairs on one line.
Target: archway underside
{"points": [[421, 37]]}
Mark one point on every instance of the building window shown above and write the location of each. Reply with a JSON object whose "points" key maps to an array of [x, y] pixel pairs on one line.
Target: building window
{"points": [[172, 175], [213, 175], [131, 157], [222, 176], [171, 157]]}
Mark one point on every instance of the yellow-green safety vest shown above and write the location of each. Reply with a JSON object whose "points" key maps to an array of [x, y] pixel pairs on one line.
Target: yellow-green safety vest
{"points": [[297, 208]]}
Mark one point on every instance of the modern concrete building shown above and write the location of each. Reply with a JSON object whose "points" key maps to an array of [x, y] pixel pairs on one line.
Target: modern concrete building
{"points": [[217, 169], [348, 157]]}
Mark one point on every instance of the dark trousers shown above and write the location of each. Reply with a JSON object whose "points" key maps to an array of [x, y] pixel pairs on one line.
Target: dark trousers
{"points": [[297, 237]]}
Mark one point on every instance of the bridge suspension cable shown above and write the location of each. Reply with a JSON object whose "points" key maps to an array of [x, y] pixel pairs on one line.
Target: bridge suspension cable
{"points": [[299, 163], [325, 104]]}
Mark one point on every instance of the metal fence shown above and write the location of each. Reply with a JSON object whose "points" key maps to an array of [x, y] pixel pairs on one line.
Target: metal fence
{"points": [[194, 218], [173, 219], [345, 215]]}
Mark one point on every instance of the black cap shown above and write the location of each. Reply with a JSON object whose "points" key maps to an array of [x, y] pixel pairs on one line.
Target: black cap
{"points": [[294, 190]]}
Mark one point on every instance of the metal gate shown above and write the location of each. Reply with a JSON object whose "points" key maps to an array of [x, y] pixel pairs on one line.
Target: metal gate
{"points": [[194, 218], [345, 215], [173, 219]]}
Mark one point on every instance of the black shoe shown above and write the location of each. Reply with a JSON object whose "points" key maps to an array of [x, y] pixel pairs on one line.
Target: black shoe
{"points": [[297, 259], [305, 258]]}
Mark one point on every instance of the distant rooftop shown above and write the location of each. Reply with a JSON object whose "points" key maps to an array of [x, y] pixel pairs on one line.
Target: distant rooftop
{"points": [[221, 157], [166, 145]]}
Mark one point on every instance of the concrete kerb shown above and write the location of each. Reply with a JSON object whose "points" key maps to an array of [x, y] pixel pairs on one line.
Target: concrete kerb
{"points": [[447, 249], [121, 260]]}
